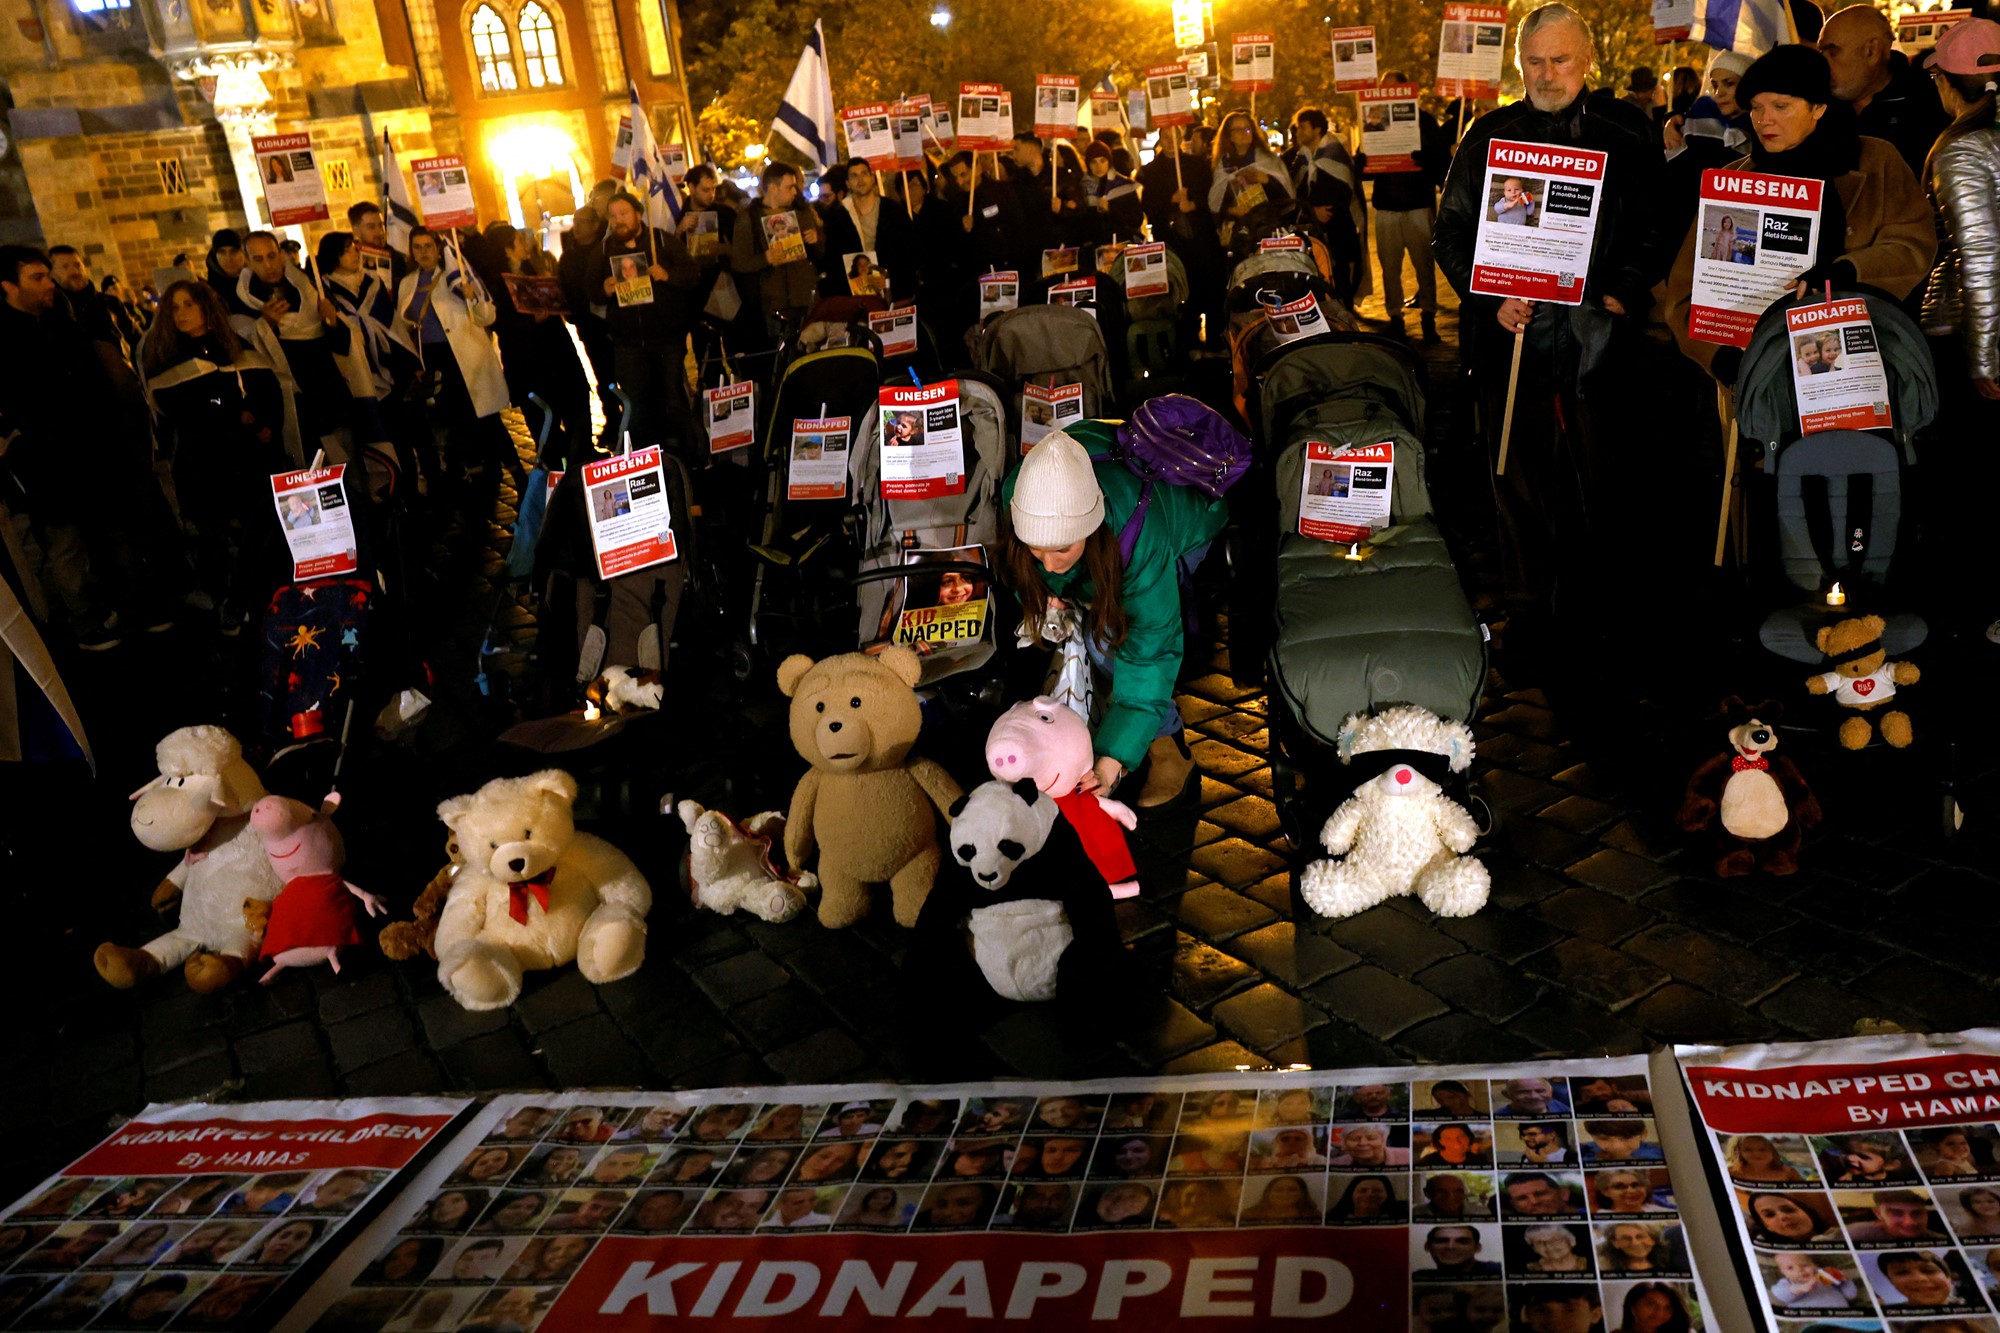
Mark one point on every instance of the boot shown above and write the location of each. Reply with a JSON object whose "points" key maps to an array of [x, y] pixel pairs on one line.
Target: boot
{"points": [[1431, 338], [1168, 766]]}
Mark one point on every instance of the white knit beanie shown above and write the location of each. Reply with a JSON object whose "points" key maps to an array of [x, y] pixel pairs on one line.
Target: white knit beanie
{"points": [[1727, 62], [1057, 501]]}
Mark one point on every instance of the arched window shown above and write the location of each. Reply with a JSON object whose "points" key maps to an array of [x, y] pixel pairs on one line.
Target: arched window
{"points": [[538, 47], [493, 52]]}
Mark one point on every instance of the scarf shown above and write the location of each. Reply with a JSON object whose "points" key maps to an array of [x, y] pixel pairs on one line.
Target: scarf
{"points": [[372, 309], [1831, 151], [1706, 121]]}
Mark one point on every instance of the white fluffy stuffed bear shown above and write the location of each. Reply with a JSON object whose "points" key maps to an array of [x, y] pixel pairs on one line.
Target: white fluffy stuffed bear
{"points": [[729, 864], [1399, 832], [534, 893]]}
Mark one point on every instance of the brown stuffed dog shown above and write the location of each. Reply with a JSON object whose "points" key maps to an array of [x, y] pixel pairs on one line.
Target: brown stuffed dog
{"points": [[1755, 805], [1863, 679], [401, 940], [870, 808]]}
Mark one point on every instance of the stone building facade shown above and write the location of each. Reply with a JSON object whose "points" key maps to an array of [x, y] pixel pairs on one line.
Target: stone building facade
{"points": [[128, 122]]}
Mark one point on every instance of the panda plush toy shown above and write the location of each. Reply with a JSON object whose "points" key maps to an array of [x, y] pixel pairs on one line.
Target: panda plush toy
{"points": [[1018, 912]]}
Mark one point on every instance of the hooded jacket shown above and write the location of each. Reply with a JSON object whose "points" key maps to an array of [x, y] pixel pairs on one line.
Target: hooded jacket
{"points": [[1963, 294]]}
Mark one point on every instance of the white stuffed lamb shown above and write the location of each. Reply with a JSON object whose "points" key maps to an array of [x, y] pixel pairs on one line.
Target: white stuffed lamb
{"points": [[1399, 832], [730, 865]]}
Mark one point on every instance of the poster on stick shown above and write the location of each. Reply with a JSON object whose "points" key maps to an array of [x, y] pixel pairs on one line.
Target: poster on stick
{"points": [[1837, 370], [318, 524], [1673, 21], [444, 192], [1537, 222], [1918, 33], [1390, 131], [906, 130], [732, 416], [1169, 94], [631, 521], [293, 189], [985, 118], [1354, 59], [999, 291], [1253, 63], [1470, 45], [1756, 235], [922, 445], [897, 328], [870, 136], [1058, 100], [1145, 270]]}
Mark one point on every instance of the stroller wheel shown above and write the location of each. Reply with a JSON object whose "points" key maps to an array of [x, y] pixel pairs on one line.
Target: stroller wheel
{"points": [[742, 660], [1485, 815]]}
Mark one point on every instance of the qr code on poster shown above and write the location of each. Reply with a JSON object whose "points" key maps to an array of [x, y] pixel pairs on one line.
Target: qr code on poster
{"points": [[1565, 280]]}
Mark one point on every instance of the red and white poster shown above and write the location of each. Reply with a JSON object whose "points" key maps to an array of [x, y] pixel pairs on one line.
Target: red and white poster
{"points": [[1354, 59], [897, 328], [1673, 21], [621, 147], [1754, 236], [1390, 133], [906, 128], [444, 192], [1145, 270], [1537, 222], [985, 118], [1344, 494], [631, 521], [1169, 95], [1107, 110], [1253, 63], [1918, 33], [317, 521], [1285, 244], [1078, 292], [816, 467], [999, 291], [922, 443], [935, 121], [289, 170], [1046, 408], [732, 416], [1470, 45], [1837, 370], [1293, 320], [870, 135], [1058, 100]]}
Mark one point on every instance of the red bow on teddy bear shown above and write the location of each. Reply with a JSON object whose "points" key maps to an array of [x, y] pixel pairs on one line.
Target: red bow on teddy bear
{"points": [[519, 891], [1739, 763]]}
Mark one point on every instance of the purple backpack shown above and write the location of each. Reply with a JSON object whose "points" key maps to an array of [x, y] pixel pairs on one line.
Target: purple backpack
{"points": [[1178, 441]]}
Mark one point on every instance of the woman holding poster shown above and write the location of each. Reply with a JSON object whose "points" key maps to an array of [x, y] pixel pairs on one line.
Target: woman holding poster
{"points": [[1061, 550], [1251, 187], [444, 310]]}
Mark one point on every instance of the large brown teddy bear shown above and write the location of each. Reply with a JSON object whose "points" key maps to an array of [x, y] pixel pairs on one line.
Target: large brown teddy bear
{"points": [[1754, 805], [871, 809], [1863, 679]]}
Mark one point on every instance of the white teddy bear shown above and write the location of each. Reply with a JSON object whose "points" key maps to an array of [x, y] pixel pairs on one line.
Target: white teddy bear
{"points": [[729, 864], [1399, 832]]}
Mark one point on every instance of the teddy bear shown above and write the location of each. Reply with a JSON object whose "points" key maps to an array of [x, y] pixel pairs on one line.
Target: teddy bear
{"points": [[1047, 741], [1863, 679], [534, 893], [312, 917], [199, 805], [401, 940], [1018, 911], [864, 803], [1755, 805], [729, 864], [1400, 832]]}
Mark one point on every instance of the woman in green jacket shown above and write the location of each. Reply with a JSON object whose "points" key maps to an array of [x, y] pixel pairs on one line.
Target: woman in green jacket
{"points": [[1059, 547]]}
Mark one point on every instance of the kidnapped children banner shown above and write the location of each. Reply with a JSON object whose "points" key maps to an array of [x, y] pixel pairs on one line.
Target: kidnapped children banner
{"points": [[817, 468], [942, 611], [1470, 45], [1673, 21], [1755, 238], [1538, 223], [1253, 64], [293, 190], [1390, 134], [1373, 1200], [1353, 59], [1837, 370], [207, 1216], [319, 526], [998, 291], [1852, 1181], [922, 447], [1046, 408], [631, 522]]}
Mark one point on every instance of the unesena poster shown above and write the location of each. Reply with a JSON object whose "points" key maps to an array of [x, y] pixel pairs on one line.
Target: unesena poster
{"points": [[1390, 1199]]}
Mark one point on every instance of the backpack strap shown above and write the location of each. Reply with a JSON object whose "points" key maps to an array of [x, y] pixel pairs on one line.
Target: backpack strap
{"points": [[1128, 536], [1815, 495]]}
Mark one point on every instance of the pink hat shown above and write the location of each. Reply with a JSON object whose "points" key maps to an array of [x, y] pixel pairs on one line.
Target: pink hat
{"points": [[1970, 46]]}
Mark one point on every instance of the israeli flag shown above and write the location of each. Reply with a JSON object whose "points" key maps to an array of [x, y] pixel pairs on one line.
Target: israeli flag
{"points": [[402, 215], [1750, 26], [648, 173], [805, 117]]}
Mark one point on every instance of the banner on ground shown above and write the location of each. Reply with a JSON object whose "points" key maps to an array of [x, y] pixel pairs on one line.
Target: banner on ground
{"points": [[1390, 131], [1354, 59], [870, 136], [1538, 221], [1917, 33], [1376, 1199], [1145, 270], [293, 190], [1344, 493], [1470, 45], [1673, 21], [1169, 94], [1837, 370], [1756, 235], [444, 192], [319, 525], [985, 118], [1849, 1181], [1253, 63], [817, 469], [1058, 102], [922, 446], [732, 416], [208, 1217], [631, 522], [1046, 408]]}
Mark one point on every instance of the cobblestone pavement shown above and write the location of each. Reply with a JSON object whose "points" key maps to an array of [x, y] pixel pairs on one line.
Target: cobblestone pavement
{"points": [[1604, 934]]}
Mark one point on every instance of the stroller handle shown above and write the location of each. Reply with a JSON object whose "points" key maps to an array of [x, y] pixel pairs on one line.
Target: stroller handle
{"points": [[907, 571], [548, 424]]}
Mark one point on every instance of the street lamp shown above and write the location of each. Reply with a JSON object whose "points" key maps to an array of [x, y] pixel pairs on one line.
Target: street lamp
{"points": [[940, 17]]}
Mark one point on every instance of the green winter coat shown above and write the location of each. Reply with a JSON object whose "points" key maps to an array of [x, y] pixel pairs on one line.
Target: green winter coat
{"points": [[1180, 519]]}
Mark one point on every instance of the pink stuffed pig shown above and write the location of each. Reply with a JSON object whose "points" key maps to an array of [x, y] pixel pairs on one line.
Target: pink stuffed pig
{"points": [[313, 915], [1046, 741]]}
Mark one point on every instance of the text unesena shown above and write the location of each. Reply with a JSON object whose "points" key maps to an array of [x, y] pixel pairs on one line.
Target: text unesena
{"points": [[1761, 187], [1860, 1085]]}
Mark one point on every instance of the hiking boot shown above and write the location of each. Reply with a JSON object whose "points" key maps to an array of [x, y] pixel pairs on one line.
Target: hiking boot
{"points": [[1431, 338], [1168, 767]]}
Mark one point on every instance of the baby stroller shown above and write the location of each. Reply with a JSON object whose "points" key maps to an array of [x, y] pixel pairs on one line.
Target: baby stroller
{"points": [[1046, 345], [1349, 629], [1152, 340], [1262, 284]]}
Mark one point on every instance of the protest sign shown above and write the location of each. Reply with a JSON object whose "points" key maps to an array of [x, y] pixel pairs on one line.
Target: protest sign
{"points": [[1169, 95], [536, 293], [897, 329], [865, 274], [1048, 407], [781, 233], [939, 611], [999, 291], [985, 118], [1293, 320], [1673, 21], [1282, 244], [1354, 59], [1057, 103], [732, 416], [293, 190], [621, 147], [211, 1217], [1344, 493], [377, 260], [673, 161], [817, 469], [1390, 134], [906, 131], [631, 523], [1190, 24], [1917, 33], [1470, 45], [1837, 369], [1835, 1184], [1145, 270], [444, 192], [1538, 222], [869, 135], [1756, 236], [1253, 64], [1135, 111], [1107, 110], [935, 121], [922, 446], [1079, 292], [632, 274], [319, 525], [701, 233], [1059, 261]]}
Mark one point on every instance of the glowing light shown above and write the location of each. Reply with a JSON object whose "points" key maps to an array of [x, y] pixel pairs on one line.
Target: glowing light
{"points": [[1836, 596], [754, 153], [940, 17], [590, 711], [531, 150]]}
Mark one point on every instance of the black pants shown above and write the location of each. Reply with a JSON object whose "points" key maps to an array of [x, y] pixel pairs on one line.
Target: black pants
{"points": [[470, 439], [654, 376]]}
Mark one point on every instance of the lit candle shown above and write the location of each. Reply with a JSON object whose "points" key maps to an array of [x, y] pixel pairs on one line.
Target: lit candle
{"points": [[1835, 596], [589, 711]]}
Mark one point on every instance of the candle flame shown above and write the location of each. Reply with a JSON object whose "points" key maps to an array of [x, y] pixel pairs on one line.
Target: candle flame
{"points": [[1835, 597], [590, 711]]}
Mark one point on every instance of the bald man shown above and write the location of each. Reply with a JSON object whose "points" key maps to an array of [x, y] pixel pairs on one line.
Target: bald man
{"points": [[1891, 100]]}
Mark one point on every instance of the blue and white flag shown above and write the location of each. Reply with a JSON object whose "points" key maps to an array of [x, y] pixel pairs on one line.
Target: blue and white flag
{"points": [[648, 173], [805, 117], [1750, 26], [402, 215]]}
